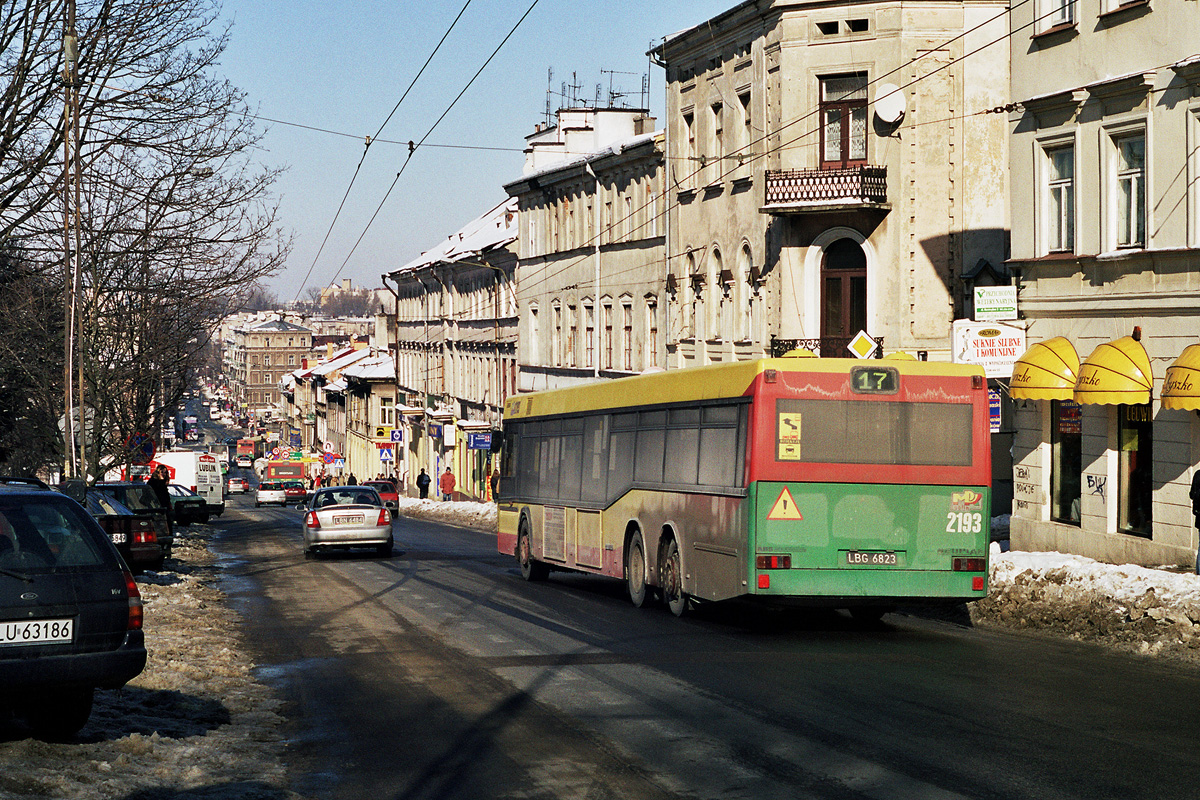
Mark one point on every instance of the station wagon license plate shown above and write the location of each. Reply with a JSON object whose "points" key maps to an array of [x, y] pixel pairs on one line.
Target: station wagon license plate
{"points": [[348, 519], [860, 558], [36, 631]]}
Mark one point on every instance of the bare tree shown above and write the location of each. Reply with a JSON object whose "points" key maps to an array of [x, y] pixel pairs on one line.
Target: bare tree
{"points": [[176, 222]]}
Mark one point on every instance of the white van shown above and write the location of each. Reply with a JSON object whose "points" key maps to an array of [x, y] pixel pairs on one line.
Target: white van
{"points": [[199, 472]]}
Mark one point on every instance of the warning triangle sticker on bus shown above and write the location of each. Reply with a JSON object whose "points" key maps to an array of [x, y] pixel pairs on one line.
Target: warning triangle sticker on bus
{"points": [[785, 507]]}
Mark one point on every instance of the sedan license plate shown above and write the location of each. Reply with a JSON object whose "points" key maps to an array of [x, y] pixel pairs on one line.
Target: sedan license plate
{"points": [[36, 631], [348, 519], [865, 559], [118, 538]]}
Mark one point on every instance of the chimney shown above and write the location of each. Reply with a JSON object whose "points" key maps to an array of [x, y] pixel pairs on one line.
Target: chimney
{"points": [[346, 284]]}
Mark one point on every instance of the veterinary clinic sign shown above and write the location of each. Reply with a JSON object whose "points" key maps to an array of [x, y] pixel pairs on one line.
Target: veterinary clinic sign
{"points": [[995, 346]]}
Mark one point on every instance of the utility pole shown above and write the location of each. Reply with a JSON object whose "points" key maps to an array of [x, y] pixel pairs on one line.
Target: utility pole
{"points": [[70, 260]]}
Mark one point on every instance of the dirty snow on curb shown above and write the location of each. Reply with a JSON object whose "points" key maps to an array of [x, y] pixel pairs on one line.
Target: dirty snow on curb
{"points": [[195, 723], [479, 516]]}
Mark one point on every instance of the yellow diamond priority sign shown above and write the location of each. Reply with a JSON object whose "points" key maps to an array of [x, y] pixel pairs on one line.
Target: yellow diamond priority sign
{"points": [[862, 345]]}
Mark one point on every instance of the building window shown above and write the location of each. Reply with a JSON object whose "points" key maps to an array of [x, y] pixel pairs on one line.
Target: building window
{"points": [[556, 337], [608, 336], [535, 356], [387, 411], [627, 334], [1134, 470], [291, 360], [1131, 190], [573, 323], [718, 141], [1066, 460], [589, 329], [650, 346], [844, 120], [1060, 199], [689, 153], [1054, 13], [746, 271]]}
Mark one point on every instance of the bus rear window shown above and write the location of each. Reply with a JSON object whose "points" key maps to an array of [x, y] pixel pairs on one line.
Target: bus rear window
{"points": [[873, 432]]}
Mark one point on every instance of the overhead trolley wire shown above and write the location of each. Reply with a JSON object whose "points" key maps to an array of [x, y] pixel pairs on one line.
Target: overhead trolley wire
{"points": [[412, 148], [367, 149]]}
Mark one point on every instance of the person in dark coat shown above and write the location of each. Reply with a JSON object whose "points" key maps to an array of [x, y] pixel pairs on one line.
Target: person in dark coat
{"points": [[158, 482], [423, 481], [352, 481]]}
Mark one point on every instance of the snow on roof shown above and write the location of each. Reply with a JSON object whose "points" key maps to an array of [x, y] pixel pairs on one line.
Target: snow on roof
{"points": [[379, 367], [495, 228], [337, 387], [341, 361]]}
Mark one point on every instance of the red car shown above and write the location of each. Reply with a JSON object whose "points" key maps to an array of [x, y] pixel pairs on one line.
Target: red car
{"points": [[295, 490], [387, 492]]}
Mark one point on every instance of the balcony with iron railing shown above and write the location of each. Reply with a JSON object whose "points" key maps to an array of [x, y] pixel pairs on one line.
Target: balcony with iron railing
{"points": [[843, 188]]}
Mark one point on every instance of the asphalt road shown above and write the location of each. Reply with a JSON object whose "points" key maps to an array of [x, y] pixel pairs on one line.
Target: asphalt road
{"points": [[439, 673]]}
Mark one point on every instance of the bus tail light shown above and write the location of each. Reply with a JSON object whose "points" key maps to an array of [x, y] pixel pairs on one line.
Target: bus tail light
{"points": [[774, 562], [311, 521], [764, 581], [976, 381], [970, 565], [977, 583]]}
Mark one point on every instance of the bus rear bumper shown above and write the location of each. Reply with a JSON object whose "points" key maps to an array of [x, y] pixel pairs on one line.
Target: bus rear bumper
{"points": [[842, 588]]}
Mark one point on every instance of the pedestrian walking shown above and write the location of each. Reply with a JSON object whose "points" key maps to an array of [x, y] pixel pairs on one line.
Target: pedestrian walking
{"points": [[423, 482], [446, 483], [1195, 495], [352, 481]]}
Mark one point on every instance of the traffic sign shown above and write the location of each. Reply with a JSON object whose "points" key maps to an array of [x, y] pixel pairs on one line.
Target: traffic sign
{"points": [[785, 507], [385, 454], [397, 434], [327, 458], [141, 448]]}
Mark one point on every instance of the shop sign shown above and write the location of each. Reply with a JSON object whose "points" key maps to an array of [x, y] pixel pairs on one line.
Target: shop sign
{"points": [[479, 441], [994, 409], [995, 346], [995, 303]]}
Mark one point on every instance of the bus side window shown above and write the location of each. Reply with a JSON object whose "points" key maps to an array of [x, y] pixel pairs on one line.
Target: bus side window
{"points": [[595, 459]]}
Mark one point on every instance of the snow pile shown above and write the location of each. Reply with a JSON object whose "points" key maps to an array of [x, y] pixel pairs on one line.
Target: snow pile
{"points": [[195, 722], [479, 516], [1154, 611]]}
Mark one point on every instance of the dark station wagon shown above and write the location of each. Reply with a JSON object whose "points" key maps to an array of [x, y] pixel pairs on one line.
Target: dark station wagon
{"points": [[70, 611]]}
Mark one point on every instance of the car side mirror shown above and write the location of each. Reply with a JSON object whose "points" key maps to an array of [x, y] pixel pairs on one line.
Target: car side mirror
{"points": [[302, 507]]}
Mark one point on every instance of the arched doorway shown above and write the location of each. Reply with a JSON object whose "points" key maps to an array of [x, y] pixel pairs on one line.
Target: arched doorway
{"points": [[843, 295]]}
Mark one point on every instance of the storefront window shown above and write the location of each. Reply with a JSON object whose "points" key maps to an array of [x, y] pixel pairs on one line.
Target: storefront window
{"points": [[1066, 427], [1135, 469]]}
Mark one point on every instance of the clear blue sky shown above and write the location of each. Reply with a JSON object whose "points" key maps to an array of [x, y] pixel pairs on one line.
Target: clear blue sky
{"points": [[342, 66]]}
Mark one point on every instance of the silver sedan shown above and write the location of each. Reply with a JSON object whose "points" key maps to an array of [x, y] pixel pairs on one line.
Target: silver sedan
{"points": [[345, 517]]}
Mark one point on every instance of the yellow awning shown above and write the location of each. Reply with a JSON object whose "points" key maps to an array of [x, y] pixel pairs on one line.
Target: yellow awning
{"points": [[1047, 371], [1116, 372], [1181, 387]]}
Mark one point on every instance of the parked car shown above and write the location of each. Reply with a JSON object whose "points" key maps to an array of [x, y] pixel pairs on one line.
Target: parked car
{"points": [[133, 535], [141, 500], [387, 491], [270, 492], [341, 517], [187, 506], [238, 486], [71, 611], [295, 489]]}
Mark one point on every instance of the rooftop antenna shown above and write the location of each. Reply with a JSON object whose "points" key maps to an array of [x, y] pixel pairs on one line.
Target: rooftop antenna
{"points": [[575, 87], [549, 95], [615, 93]]}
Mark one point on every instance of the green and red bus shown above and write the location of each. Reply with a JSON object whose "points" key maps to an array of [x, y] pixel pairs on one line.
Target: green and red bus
{"points": [[835, 482]]}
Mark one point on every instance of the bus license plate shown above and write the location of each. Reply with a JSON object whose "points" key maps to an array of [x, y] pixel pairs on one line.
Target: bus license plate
{"points": [[40, 631], [345, 519], [859, 558]]}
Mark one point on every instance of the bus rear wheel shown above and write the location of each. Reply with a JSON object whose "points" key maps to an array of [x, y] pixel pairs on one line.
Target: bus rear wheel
{"points": [[531, 568], [635, 570], [672, 580]]}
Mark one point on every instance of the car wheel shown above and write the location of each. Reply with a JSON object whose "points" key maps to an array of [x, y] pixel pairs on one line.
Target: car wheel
{"points": [[204, 520], [257, 504], [635, 571], [61, 714], [531, 568], [384, 550]]}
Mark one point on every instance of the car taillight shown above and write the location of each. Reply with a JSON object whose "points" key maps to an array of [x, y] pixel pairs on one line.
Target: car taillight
{"points": [[969, 564], [135, 603], [145, 533], [311, 521], [385, 517], [773, 562]]}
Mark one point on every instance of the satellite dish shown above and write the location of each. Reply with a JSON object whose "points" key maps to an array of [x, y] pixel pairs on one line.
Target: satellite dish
{"points": [[889, 103]]}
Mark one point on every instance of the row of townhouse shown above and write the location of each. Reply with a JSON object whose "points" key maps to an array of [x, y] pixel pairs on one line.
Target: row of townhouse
{"points": [[1105, 204]]}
